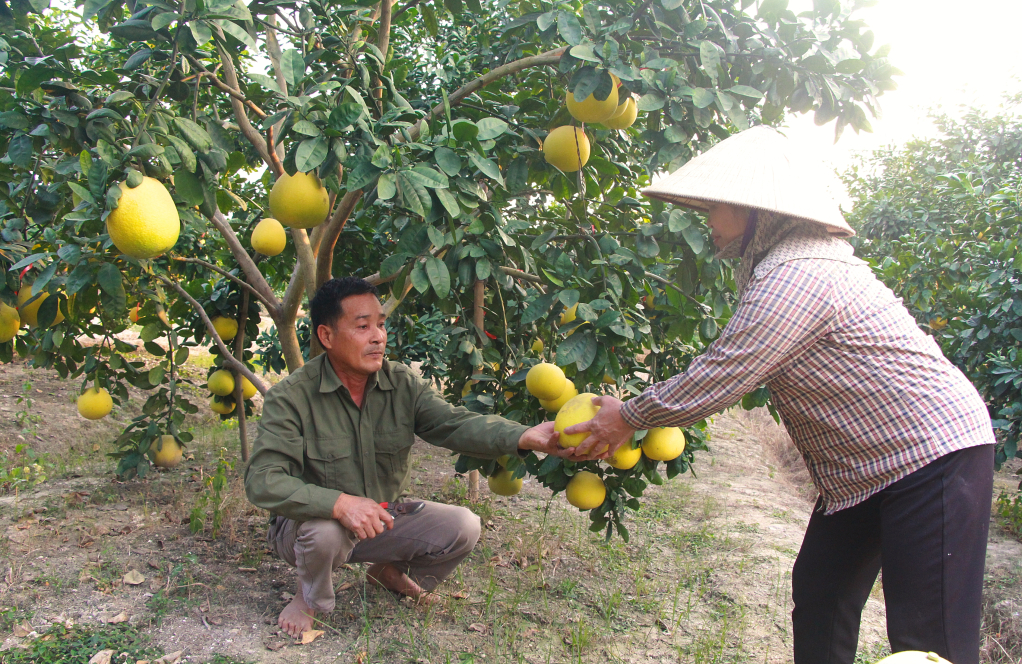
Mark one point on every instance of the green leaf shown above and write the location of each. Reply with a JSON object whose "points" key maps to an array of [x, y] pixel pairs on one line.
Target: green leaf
{"points": [[184, 152], [386, 187], [145, 151], [392, 264], [745, 91], [164, 20], [464, 130], [490, 128], [194, 134], [267, 82], [201, 32], [311, 153], [646, 246], [419, 279], [239, 33], [694, 237], [653, 101], [137, 59], [435, 236], [428, 177], [569, 27], [486, 166], [448, 160], [413, 195], [568, 297], [292, 65], [702, 98], [188, 187], [709, 58], [345, 115], [93, 7], [438, 275], [19, 151], [429, 18], [449, 201]]}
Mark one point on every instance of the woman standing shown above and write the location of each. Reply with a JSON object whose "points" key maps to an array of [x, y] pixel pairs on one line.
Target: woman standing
{"points": [[898, 442]]}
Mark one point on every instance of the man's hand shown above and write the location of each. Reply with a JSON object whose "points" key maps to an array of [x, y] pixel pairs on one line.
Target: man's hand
{"points": [[543, 438], [607, 431], [362, 516]]}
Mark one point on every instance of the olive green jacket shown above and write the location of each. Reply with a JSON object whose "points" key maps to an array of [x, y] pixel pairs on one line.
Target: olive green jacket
{"points": [[314, 443]]}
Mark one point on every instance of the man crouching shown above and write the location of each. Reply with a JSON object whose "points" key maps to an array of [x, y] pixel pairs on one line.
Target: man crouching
{"points": [[333, 444]]}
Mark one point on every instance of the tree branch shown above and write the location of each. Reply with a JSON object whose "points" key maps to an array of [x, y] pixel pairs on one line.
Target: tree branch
{"points": [[411, 5], [274, 53], [230, 73], [548, 58], [332, 231], [668, 282], [241, 282], [306, 260], [239, 398], [224, 351], [248, 266]]}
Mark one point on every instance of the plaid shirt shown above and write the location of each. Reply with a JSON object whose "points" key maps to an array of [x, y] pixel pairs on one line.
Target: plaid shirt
{"points": [[865, 395]]}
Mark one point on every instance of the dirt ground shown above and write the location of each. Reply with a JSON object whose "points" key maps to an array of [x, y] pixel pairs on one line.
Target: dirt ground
{"points": [[705, 577]]}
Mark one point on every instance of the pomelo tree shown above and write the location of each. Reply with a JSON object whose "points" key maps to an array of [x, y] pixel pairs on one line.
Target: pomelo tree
{"points": [[424, 121]]}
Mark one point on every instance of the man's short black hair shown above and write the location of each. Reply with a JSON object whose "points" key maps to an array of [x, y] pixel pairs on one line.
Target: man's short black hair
{"points": [[326, 303]]}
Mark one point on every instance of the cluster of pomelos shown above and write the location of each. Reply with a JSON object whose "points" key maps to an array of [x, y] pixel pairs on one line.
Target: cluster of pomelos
{"points": [[559, 395], [567, 147]]}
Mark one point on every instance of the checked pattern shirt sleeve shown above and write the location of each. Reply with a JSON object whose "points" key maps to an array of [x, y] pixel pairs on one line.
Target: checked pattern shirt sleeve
{"points": [[779, 318]]}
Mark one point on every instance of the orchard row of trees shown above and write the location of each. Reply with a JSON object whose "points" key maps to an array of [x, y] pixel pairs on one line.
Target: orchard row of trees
{"points": [[425, 120]]}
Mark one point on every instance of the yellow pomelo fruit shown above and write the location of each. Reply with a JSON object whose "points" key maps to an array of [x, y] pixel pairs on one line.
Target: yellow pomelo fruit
{"points": [[545, 381], [537, 346], [554, 405], [135, 311], [168, 453], [625, 457], [568, 315], [95, 403], [29, 313], [269, 237], [592, 109], [145, 223], [465, 391], [504, 483], [299, 200], [10, 322], [248, 390], [227, 328], [625, 116], [609, 380], [913, 657], [221, 407], [220, 383], [579, 409], [566, 148], [586, 490], [664, 443]]}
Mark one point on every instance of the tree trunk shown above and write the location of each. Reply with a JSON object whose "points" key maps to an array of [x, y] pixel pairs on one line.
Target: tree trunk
{"points": [[239, 353], [479, 318]]}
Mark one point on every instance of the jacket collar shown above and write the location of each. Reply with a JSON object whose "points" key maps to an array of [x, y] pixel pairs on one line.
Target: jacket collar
{"points": [[329, 381]]}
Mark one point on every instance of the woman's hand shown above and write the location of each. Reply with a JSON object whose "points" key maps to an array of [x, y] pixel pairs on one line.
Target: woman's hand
{"points": [[607, 431]]}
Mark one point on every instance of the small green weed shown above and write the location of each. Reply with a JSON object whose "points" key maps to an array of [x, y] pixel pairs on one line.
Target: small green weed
{"points": [[76, 645], [212, 497], [1010, 509]]}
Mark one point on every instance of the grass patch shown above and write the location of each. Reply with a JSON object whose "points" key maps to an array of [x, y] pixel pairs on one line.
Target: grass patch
{"points": [[76, 645]]}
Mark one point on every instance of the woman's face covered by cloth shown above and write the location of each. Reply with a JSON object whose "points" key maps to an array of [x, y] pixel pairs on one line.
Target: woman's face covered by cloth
{"points": [[727, 223]]}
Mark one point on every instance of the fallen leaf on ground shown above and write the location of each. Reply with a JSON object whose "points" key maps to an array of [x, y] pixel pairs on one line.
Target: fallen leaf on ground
{"points": [[344, 586], [102, 657], [311, 635], [170, 658], [23, 629], [119, 618], [274, 646], [133, 578], [477, 627], [461, 594]]}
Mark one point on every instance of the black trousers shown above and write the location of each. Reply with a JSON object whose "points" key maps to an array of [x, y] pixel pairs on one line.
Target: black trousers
{"points": [[928, 532]]}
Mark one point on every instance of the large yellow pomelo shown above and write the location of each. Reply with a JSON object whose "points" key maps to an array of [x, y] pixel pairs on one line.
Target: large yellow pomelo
{"points": [[145, 223], [504, 483], [226, 327], [299, 200], [566, 148], [269, 237], [586, 490], [537, 346], [167, 452], [221, 407], [624, 117], [554, 405], [592, 109], [29, 313], [95, 403], [913, 657], [663, 443], [220, 383], [248, 390], [10, 322], [625, 457], [568, 315], [579, 409], [545, 381]]}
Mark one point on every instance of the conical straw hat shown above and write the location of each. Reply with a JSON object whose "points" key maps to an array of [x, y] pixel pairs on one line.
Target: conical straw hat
{"points": [[758, 168]]}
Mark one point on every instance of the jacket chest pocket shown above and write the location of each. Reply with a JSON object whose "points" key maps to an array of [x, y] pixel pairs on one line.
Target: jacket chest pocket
{"points": [[327, 460], [392, 450]]}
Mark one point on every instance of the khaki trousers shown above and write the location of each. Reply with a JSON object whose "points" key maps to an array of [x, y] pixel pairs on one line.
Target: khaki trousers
{"points": [[426, 546]]}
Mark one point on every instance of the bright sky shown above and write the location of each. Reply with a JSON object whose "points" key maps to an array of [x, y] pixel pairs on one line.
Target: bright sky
{"points": [[952, 53]]}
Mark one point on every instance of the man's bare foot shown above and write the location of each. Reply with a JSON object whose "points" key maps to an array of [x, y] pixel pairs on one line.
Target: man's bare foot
{"points": [[296, 617], [389, 577]]}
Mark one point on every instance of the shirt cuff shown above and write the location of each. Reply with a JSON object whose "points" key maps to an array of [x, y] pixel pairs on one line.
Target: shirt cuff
{"points": [[323, 501], [509, 442], [630, 417]]}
